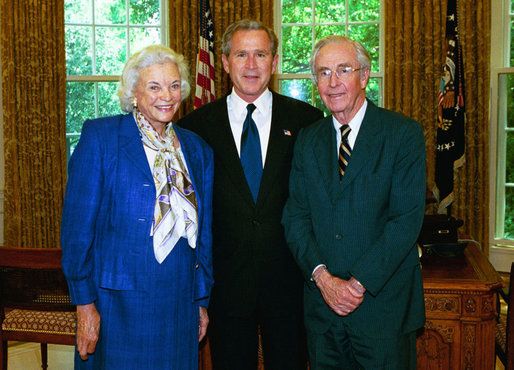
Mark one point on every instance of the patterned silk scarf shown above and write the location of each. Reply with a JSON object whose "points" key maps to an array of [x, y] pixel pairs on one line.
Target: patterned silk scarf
{"points": [[175, 213]]}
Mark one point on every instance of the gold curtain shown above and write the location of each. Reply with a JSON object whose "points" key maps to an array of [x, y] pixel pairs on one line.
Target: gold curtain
{"points": [[414, 37], [33, 87], [183, 15]]}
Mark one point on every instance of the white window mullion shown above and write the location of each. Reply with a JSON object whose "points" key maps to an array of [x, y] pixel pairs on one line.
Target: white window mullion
{"points": [[344, 23], [104, 102]]}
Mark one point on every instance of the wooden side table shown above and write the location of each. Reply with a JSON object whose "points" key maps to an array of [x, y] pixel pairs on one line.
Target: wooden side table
{"points": [[461, 310]]}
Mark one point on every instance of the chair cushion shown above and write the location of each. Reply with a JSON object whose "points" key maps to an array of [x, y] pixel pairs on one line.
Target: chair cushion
{"points": [[501, 332], [50, 322]]}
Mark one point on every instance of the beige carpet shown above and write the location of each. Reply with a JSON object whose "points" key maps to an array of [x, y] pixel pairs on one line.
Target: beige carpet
{"points": [[26, 356]]}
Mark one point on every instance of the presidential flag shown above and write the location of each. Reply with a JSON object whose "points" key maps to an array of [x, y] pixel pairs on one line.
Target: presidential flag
{"points": [[205, 92], [450, 140]]}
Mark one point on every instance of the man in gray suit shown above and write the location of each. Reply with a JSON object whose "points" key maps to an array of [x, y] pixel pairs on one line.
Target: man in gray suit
{"points": [[356, 204]]}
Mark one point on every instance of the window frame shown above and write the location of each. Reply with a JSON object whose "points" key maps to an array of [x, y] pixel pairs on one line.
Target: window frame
{"points": [[500, 59], [95, 79], [279, 76]]}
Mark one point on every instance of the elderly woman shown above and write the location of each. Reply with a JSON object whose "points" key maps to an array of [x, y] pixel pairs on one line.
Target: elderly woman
{"points": [[136, 228]]}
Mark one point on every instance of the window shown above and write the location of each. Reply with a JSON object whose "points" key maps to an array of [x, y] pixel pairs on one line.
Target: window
{"points": [[100, 35], [303, 22], [502, 127]]}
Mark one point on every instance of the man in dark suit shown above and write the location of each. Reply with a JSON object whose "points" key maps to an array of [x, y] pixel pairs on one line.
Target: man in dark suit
{"points": [[257, 283], [356, 204]]}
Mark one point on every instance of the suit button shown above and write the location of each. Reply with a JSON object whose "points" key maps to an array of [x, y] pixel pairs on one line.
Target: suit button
{"points": [[197, 266], [339, 236]]}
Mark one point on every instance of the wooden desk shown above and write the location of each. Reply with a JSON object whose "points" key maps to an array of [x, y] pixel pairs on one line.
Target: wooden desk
{"points": [[460, 302]]}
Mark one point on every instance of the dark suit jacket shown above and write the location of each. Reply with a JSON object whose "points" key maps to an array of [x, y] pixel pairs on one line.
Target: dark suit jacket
{"points": [[252, 263], [365, 225]]}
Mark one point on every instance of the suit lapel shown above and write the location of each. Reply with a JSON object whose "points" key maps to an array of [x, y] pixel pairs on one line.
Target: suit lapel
{"points": [[222, 142], [326, 155], [365, 146], [279, 140], [131, 145], [189, 149]]}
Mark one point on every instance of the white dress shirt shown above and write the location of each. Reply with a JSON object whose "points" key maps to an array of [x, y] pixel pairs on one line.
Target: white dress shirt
{"points": [[355, 125], [261, 115]]}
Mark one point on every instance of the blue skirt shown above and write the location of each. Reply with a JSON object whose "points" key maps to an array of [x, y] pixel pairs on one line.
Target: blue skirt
{"points": [[152, 329]]}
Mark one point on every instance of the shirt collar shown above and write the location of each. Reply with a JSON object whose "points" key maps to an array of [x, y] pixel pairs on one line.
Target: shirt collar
{"points": [[262, 103], [356, 121]]}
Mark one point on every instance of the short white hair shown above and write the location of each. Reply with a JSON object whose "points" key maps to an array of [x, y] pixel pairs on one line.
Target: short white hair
{"points": [[362, 54], [146, 57]]}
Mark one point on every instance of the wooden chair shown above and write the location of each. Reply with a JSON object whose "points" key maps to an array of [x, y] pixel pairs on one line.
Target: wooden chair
{"points": [[505, 326], [34, 301]]}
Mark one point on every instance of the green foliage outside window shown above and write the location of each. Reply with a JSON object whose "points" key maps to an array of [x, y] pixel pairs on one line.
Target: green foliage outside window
{"points": [[306, 21], [508, 89], [97, 46], [508, 232], [509, 191], [506, 122]]}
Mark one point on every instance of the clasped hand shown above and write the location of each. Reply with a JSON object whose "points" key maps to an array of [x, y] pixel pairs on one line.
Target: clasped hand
{"points": [[342, 296]]}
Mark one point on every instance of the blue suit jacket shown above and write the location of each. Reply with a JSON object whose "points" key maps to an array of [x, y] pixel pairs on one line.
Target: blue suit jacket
{"points": [[109, 206], [364, 226]]}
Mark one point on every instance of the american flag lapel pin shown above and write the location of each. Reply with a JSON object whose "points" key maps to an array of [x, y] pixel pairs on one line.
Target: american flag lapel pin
{"points": [[287, 133]]}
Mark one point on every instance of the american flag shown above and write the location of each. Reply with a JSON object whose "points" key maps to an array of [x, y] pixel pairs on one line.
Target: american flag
{"points": [[205, 92]]}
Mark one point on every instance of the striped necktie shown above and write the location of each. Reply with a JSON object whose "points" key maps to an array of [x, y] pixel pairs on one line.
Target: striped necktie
{"points": [[344, 150]]}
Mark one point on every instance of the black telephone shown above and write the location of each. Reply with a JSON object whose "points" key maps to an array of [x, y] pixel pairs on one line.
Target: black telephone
{"points": [[439, 235]]}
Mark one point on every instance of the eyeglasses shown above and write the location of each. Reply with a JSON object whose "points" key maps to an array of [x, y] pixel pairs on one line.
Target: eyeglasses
{"points": [[342, 73]]}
